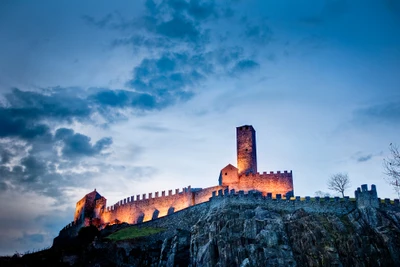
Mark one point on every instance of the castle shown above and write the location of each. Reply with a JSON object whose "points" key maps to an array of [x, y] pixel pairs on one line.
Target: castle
{"points": [[241, 185], [92, 210]]}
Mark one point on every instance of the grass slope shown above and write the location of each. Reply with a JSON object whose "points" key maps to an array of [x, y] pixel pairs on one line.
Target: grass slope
{"points": [[134, 232]]}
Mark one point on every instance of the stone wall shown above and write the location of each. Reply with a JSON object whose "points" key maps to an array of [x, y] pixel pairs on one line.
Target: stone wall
{"points": [[246, 149], [274, 183], [148, 207], [205, 194], [319, 205], [85, 207]]}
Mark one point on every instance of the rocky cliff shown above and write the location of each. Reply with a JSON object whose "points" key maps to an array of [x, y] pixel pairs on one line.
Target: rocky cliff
{"points": [[237, 233]]}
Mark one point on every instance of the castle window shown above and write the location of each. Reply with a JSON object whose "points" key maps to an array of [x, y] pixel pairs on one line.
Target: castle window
{"points": [[226, 173]]}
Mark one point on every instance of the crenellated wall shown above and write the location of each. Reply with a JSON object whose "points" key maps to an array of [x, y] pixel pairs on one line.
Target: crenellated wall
{"points": [[273, 182], [154, 206], [366, 198], [205, 194], [319, 205], [148, 206]]}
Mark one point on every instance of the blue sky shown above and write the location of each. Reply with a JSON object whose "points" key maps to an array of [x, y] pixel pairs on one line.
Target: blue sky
{"points": [[132, 97]]}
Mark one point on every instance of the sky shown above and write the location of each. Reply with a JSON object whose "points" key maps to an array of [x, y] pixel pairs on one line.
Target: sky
{"points": [[133, 97]]}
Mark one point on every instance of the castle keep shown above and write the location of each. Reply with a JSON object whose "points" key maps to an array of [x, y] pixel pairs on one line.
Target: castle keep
{"points": [[91, 209]]}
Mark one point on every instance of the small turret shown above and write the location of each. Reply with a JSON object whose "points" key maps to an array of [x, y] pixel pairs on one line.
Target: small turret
{"points": [[365, 198]]}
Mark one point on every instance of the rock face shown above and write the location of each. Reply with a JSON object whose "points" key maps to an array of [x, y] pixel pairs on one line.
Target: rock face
{"points": [[239, 235], [231, 233]]}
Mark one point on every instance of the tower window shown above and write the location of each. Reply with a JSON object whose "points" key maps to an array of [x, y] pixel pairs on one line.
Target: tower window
{"points": [[226, 173]]}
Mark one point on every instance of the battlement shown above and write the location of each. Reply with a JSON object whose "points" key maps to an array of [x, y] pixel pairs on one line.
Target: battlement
{"points": [[335, 205], [367, 198], [145, 197], [283, 203], [269, 174]]}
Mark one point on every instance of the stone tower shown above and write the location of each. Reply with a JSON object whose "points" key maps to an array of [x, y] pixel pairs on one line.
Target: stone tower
{"points": [[246, 149]]}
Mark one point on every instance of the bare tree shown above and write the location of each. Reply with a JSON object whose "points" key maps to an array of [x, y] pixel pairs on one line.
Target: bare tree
{"points": [[392, 168], [339, 182]]}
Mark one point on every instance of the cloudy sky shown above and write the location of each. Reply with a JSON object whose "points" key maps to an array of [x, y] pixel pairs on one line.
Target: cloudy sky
{"points": [[132, 97]]}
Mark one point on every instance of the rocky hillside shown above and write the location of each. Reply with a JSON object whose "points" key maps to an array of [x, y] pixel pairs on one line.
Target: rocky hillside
{"points": [[240, 234]]}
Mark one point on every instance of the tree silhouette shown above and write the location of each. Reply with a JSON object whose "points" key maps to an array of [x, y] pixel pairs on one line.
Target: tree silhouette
{"points": [[392, 168], [339, 182]]}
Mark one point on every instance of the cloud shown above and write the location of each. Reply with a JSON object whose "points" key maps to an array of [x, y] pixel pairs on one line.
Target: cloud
{"points": [[35, 165], [245, 65], [51, 103], [14, 123], [76, 144], [170, 76], [180, 28], [386, 112], [364, 158]]}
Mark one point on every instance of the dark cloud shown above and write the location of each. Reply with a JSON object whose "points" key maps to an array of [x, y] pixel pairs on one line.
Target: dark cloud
{"points": [[201, 10], [178, 5], [180, 28], [170, 76], [245, 65], [364, 158], [53, 103], [76, 144], [14, 123], [5, 155], [145, 102], [26, 114], [117, 98]]}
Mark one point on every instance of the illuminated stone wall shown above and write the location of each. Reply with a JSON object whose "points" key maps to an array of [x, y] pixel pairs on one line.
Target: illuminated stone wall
{"points": [[148, 206], [246, 149], [85, 206], [205, 194], [274, 183], [228, 175]]}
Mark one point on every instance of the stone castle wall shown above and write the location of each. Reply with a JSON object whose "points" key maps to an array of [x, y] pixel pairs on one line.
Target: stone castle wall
{"points": [[86, 206], [274, 183], [334, 205], [148, 207], [143, 210], [246, 149], [151, 206], [205, 194]]}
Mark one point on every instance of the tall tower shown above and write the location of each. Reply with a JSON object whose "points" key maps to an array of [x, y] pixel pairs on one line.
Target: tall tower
{"points": [[246, 149]]}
